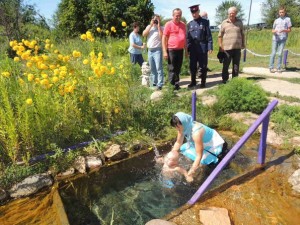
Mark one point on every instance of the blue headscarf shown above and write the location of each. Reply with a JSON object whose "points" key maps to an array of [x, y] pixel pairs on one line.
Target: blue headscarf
{"points": [[187, 123]]}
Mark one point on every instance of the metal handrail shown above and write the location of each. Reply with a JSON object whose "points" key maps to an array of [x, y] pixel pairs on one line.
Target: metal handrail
{"points": [[264, 119]]}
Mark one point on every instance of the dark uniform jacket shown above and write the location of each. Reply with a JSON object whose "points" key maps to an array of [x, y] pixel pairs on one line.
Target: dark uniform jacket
{"points": [[199, 36]]}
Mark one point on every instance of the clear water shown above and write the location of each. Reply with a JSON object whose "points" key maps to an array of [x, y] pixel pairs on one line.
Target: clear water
{"points": [[129, 193]]}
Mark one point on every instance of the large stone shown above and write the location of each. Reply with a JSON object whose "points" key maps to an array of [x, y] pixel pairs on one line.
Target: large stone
{"points": [[30, 185], [156, 95], [159, 222], [115, 152], [79, 164], [66, 173], [294, 180], [93, 161], [214, 216]]}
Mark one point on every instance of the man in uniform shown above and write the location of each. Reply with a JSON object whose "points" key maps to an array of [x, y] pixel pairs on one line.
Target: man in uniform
{"points": [[199, 44]]}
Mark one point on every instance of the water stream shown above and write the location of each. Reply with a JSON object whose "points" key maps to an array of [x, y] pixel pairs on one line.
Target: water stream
{"points": [[131, 192]]}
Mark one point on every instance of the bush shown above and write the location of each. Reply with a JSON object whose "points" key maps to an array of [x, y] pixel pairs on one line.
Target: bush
{"points": [[241, 95], [287, 119]]}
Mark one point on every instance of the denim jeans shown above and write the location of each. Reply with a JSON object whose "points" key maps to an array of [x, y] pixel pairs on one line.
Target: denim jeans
{"points": [[155, 62], [277, 46]]}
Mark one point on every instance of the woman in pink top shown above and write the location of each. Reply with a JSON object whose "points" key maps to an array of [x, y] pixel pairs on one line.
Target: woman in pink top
{"points": [[174, 42]]}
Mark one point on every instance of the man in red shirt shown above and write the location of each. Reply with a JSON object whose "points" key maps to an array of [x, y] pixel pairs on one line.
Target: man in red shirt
{"points": [[174, 43]]}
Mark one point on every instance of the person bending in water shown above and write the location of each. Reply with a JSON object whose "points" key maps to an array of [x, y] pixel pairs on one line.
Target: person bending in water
{"points": [[203, 144], [171, 168]]}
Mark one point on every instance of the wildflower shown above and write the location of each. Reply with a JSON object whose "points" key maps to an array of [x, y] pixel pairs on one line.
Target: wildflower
{"points": [[113, 29], [85, 62], [29, 64], [29, 101], [30, 77], [117, 110], [107, 32], [124, 24], [5, 74], [98, 29], [81, 98], [76, 54], [121, 66], [21, 81], [55, 79], [47, 41], [83, 37], [16, 59]]}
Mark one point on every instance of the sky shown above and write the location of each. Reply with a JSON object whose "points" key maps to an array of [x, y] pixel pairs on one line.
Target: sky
{"points": [[165, 7]]}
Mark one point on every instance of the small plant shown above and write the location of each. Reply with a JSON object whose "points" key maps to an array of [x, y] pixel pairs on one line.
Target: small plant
{"points": [[287, 119], [241, 95]]}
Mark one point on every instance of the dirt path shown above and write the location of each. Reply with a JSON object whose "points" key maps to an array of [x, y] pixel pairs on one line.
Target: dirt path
{"points": [[264, 78]]}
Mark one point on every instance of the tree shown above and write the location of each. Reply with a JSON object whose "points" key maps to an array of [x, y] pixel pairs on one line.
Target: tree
{"points": [[270, 11], [222, 11], [15, 16], [78, 16], [71, 17]]}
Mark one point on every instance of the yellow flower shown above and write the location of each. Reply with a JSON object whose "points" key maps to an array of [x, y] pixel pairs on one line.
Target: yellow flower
{"points": [[124, 24], [98, 29], [5, 74], [47, 41], [76, 54], [107, 32], [117, 110], [16, 59], [113, 29], [29, 64], [30, 77], [85, 62], [81, 98], [29, 101], [83, 36], [21, 81], [121, 66], [55, 79]]}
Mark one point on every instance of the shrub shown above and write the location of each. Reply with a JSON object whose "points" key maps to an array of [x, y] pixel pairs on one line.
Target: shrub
{"points": [[287, 119], [241, 95]]}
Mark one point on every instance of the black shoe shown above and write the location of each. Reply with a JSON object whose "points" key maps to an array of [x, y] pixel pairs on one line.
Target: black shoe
{"points": [[202, 85], [158, 88], [154, 85], [177, 87], [192, 85], [224, 81]]}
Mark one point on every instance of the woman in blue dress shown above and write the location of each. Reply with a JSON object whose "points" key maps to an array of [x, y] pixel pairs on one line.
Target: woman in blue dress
{"points": [[203, 144]]}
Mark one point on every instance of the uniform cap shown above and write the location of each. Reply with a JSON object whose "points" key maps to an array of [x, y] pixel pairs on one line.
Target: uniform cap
{"points": [[194, 8]]}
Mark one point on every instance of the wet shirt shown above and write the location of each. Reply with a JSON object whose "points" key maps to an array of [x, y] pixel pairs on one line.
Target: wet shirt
{"points": [[199, 35], [176, 32], [281, 23]]}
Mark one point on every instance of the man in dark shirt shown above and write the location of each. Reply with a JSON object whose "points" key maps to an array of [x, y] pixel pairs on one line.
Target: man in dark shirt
{"points": [[199, 44]]}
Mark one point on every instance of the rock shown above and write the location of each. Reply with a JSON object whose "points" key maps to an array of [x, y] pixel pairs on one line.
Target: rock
{"points": [[30, 185], [93, 162], [294, 180], [159, 222], [296, 141], [79, 164], [66, 173], [214, 216], [3, 195], [209, 100], [156, 95], [115, 153]]}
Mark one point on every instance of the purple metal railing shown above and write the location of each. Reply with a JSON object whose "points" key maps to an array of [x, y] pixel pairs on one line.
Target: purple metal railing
{"points": [[264, 119]]}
